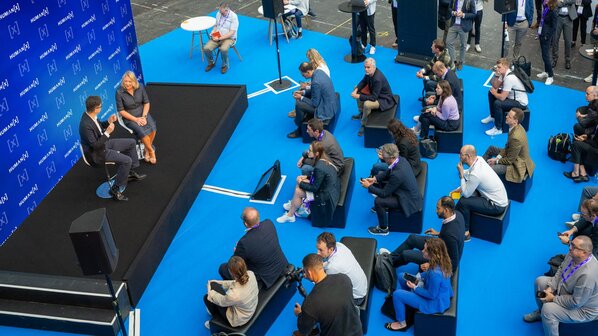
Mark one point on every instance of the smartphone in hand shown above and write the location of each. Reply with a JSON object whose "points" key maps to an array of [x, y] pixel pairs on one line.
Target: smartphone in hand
{"points": [[410, 277]]}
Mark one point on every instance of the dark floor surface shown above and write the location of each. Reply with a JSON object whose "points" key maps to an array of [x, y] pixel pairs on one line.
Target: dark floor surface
{"points": [[157, 17]]}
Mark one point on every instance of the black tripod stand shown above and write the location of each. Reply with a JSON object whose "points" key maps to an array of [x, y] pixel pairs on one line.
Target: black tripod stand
{"points": [[279, 84]]}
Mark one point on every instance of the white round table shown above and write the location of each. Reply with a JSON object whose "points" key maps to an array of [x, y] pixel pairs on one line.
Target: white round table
{"points": [[197, 25], [287, 8]]}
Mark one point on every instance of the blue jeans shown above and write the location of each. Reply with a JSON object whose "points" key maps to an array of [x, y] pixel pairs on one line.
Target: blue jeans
{"points": [[404, 296], [298, 15]]}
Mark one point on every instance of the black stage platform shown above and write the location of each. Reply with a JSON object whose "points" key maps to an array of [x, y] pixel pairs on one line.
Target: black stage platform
{"points": [[194, 125]]}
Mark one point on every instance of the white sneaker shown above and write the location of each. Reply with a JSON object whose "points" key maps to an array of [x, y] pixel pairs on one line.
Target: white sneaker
{"points": [[287, 205], [467, 46], [372, 50], [478, 48], [542, 75], [285, 219], [575, 216], [383, 251], [588, 79], [549, 81], [487, 119], [570, 224], [493, 131], [207, 325], [416, 118], [416, 129]]}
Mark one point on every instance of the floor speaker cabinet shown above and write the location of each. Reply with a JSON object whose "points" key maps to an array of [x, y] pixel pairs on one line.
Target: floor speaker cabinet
{"points": [[93, 242], [505, 6], [416, 32], [268, 183], [272, 8]]}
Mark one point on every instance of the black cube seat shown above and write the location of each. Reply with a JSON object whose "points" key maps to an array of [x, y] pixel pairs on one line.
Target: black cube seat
{"points": [[375, 133], [329, 124], [441, 324], [270, 304], [450, 141], [524, 122], [398, 222], [517, 191], [364, 251], [488, 227], [577, 329], [347, 181]]}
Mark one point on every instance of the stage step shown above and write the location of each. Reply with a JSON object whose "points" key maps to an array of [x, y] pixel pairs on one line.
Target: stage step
{"points": [[76, 305]]}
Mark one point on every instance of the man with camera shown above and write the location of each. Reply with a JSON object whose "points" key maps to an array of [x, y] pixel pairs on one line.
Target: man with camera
{"points": [[571, 296], [329, 304], [337, 259]]}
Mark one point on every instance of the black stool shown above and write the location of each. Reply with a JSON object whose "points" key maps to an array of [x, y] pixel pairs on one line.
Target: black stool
{"points": [[488, 227]]}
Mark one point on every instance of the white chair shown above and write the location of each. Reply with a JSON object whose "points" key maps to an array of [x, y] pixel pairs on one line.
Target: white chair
{"points": [[233, 47]]}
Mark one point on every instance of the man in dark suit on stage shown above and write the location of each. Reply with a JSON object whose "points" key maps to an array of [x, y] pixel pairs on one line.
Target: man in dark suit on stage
{"points": [[317, 100], [260, 249], [98, 148], [372, 92], [395, 188]]}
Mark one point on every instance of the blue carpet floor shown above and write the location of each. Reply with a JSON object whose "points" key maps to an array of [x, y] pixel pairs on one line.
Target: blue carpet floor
{"points": [[495, 287]]}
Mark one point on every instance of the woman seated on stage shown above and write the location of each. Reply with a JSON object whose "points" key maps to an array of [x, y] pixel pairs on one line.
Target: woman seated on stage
{"points": [[317, 61], [584, 152], [434, 296], [133, 105], [444, 116], [233, 300], [408, 146], [320, 192]]}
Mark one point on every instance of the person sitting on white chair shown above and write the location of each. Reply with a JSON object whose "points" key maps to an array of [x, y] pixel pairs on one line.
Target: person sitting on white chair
{"points": [[223, 36]]}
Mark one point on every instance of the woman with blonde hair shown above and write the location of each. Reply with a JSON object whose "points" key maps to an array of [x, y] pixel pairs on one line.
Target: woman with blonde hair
{"points": [[133, 105], [317, 61], [233, 300], [434, 296]]}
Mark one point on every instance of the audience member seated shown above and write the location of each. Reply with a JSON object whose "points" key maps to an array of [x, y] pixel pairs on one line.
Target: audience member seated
{"points": [[373, 92], [260, 250], [302, 8], [395, 188], [434, 296], [317, 100], [444, 116], [317, 62], [234, 300], [451, 232], [571, 296], [585, 225], [586, 193], [442, 72], [315, 129], [337, 259], [481, 189], [329, 304], [513, 161], [506, 92], [584, 152], [133, 105], [223, 36], [317, 194], [408, 146], [98, 148], [587, 116], [440, 55]]}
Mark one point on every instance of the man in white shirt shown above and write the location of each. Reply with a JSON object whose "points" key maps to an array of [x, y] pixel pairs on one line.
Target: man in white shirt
{"points": [[223, 36], [480, 177], [506, 92], [337, 259]]}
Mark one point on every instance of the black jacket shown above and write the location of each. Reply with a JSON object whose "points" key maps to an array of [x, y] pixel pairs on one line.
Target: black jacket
{"points": [[379, 90], [410, 152], [399, 182], [326, 189], [455, 83], [453, 235], [92, 140]]}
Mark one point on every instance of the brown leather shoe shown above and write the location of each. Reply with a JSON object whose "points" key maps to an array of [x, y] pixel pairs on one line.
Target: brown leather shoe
{"points": [[292, 114], [210, 66], [224, 69]]}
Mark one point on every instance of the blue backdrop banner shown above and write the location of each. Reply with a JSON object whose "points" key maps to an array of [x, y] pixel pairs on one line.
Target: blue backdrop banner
{"points": [[53, 55]]}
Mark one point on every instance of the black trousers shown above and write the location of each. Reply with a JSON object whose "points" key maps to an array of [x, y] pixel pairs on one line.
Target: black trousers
{"points": [[580, 22], [394, 22], [367, 25], [303, 110], [410, 251], [123, 153], [477, 23], [581, 151], [545, 45], [477, 204], [214, 309], [381, 204]]}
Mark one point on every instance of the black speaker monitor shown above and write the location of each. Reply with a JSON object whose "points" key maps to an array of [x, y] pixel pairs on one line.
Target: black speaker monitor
{"points": [[268, 183], [93, 242], [505, 6], [272, 8]]}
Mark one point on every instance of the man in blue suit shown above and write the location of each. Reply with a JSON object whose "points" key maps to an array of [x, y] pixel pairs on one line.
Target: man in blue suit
{"points": [[395, 188], [519, 21], [316, 100]]}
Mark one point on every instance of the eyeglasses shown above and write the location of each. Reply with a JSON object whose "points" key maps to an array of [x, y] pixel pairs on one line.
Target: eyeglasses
{"points": [[573, 247]]}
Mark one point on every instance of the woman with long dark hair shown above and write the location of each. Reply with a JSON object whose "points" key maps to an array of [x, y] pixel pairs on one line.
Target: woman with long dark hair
{"points": [[444, 116], [319, 193], [434, 296], [408, 146], [546, 31], [233, 300]]}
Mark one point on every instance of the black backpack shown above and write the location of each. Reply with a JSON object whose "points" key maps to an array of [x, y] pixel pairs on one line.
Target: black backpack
{"points": [[521, 69], [559, 147], [385, 276]]}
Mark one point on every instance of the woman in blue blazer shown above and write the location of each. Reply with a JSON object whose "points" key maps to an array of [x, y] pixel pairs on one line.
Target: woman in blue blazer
{"points": [[434, 295]]}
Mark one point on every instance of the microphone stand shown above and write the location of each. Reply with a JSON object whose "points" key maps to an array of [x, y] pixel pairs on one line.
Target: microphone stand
{"points": [[279, 84]]}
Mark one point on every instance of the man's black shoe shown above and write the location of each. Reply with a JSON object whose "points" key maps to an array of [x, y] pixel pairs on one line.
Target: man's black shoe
{"points": [[554, 62], [134, 176], [116, 194], [294, 134], [356, 117]]}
